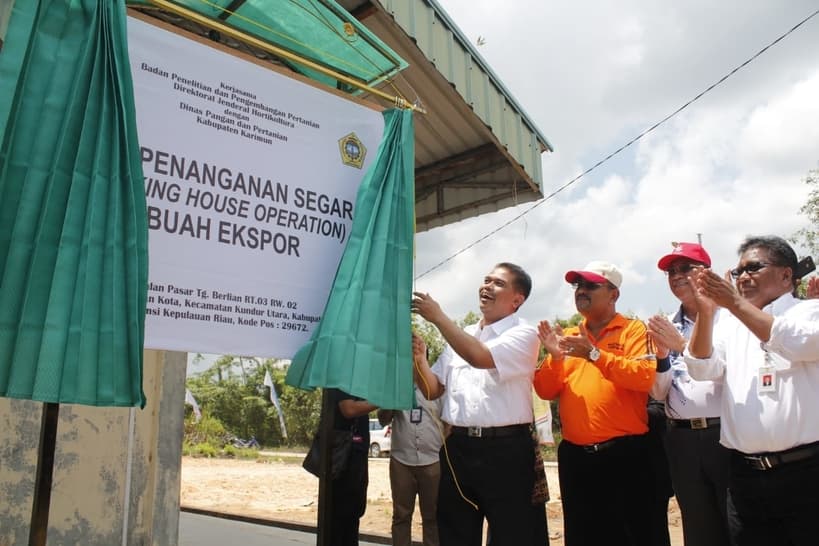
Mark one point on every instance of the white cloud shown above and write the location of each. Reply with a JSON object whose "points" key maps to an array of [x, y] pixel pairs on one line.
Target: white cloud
{"points": [[592, 75]]}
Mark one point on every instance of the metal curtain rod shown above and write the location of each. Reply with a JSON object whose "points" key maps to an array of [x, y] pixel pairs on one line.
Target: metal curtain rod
{"points": [[400, 102]]}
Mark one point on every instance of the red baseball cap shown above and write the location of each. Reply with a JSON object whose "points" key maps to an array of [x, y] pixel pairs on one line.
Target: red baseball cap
{"points": [[692, 251]]}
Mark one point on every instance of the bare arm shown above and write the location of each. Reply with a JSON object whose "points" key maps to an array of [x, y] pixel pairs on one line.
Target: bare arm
{"points": [[385, 417], [471, 349], [355, 408]]}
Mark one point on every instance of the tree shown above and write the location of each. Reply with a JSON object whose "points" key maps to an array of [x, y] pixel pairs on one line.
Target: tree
{"points": [[574, 320], [232, 391], [432, 337], [809, 236]]}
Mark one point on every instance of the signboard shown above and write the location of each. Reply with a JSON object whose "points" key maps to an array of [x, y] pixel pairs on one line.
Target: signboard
{"points": [[250, 178]]}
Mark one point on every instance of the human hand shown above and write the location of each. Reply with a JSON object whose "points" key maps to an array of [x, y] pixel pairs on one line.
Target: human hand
{"points": [[711, 290], [423, 304], [550, 338], [577, 345], [664, 336], [813, 288], [419, 348]]}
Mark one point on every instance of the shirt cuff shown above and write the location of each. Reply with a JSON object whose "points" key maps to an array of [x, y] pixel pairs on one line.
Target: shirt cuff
{"points": [[663, 364]]}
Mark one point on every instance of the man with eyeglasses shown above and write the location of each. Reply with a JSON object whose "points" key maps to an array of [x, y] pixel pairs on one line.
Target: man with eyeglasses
{"points": [[601, 372], [696, 460], [764, 344]]}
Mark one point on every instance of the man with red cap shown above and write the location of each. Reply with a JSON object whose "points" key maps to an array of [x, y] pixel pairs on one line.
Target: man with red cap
{"points": [[601, 372], [697, 462]]}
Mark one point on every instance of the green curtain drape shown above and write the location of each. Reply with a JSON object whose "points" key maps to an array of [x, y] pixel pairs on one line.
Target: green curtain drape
{"points": [[73, 225], [363, 343]]}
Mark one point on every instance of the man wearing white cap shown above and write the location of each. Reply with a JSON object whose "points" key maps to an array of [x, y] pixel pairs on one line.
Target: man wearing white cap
{"points": [[601, 372], [698, 463]]}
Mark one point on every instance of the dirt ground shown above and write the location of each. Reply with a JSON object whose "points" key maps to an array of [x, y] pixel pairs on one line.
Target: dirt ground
{"points": [[276, 487]]}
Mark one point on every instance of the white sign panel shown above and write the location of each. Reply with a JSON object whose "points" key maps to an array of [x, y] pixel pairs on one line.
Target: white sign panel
{"points": [[250, 178]]}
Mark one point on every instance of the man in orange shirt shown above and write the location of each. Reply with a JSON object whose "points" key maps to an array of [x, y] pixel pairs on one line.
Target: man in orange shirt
{"points": [[602, 372]]}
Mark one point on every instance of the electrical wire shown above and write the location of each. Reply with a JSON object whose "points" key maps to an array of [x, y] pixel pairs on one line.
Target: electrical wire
{"points": [[440, 425], [621, 148]]}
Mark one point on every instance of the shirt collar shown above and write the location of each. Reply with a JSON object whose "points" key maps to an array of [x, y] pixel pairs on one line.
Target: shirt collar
{"points": [[780, 304], [500, 326], [680, 317], [617, 321]]}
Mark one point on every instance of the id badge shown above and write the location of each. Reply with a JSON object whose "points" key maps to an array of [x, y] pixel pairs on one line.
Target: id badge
{"points": [[415, 415], [766, 380]]}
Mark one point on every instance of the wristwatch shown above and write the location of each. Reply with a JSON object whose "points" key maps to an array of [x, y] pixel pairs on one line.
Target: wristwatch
{"points": [[594, 354]]}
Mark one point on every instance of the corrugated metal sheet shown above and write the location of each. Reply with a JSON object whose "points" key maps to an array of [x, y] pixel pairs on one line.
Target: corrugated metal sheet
{"points": [[476, 149]]}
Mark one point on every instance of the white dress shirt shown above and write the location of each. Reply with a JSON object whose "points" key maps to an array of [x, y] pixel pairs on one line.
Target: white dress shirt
{"points": [[493, 397], [685, 397], [760, 422]]}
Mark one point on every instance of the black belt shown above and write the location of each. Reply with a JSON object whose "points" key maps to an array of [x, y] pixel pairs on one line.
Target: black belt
{"points": [[602, 446], [697, 423], [492, 432], [766, 461]]}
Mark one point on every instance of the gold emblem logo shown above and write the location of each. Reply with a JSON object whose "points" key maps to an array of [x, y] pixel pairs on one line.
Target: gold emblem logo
{"points": [[352, 151]]}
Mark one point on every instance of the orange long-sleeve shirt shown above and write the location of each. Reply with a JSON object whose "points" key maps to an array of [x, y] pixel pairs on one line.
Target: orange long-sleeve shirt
{"points": [[604, 399]]}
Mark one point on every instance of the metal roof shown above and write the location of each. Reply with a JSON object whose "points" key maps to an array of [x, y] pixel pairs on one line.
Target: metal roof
{"points": [[476, 149], [318, 31]]}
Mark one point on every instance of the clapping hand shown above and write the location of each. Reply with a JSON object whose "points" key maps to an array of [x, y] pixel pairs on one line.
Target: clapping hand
{"points": [[813, 288], [550, 338], [664, 335], [712, 291]]}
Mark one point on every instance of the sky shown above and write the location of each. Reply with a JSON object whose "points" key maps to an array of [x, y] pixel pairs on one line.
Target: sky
{"points": [[592, 75]]}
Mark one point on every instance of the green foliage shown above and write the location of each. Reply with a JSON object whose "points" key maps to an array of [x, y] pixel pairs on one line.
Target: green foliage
{"points": [[808, 237], [302, 410], [207, 431], [432, 337], [469, 319], [203, 450], [232, 392], [574, 320]]}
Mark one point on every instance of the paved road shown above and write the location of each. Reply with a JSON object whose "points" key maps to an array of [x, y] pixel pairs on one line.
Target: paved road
{"points": [[199, 530]]}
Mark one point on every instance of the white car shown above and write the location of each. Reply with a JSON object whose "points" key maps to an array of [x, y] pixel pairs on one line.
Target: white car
{"points": [[379, 438]]}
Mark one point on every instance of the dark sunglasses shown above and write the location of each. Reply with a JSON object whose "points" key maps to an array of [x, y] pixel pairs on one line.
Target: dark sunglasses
{"points": [[586, 285], [751, 268], [683, 269]]}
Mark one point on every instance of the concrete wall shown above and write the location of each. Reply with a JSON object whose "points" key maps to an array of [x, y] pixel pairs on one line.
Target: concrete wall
{"points": [[110, 473]]}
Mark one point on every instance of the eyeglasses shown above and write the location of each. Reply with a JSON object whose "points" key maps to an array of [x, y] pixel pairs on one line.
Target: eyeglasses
{"points": [[683, 269], [751, 268], [586, 285]]}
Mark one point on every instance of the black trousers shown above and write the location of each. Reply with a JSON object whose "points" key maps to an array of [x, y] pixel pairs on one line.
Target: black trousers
{"points": [[775, 507], [349, 500], [497, 475], [663, 490], [608, 496], [699, 469]]}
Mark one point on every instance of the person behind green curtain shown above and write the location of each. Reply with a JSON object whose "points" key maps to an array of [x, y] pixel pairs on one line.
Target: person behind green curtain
{"points": [[349, 490]]}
